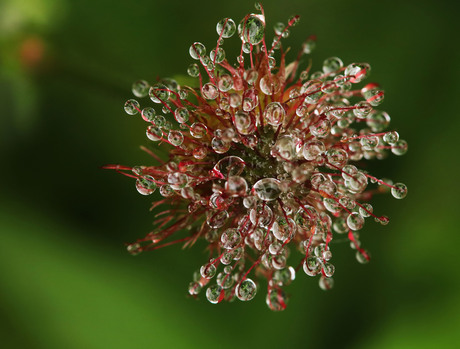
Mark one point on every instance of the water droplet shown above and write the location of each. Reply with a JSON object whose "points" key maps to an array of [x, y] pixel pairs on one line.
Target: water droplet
{"points": [[235, 100], [230, 238], [326, 283], [284, 148], [146, 185], [337, 157], [134, 248], [181, 115], [274, 113], [362, 109], [244, 123], [208, 271], [366, 210], [193, 70], [261, 215], [313, 149], [131, 107], [214, 294], [399, 191], [229, 166], [312, 91], [378, 120], [159, 93], [311, 266], [226, 27], [177, 180], [224, 280], [209, 91], [148, 114], [219, 57], [154, 133], [362, 256], [278, 28], [276, 299], [236, 186], [251, 29], [391, 137], [176, 138], [399, 148], [270, 84], [225, 83], [267, 189], [374, 97], [197, 50], [309, 46], [246, 290], [217, 219], [357, 183], [332, 64], [357, 72], [166, 191], [140, 88], [194, 288], [321, 129], [284, 230], [355, 221], [220, 146], [198, 130]]}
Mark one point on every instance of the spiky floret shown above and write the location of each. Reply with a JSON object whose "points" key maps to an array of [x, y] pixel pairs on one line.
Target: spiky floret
{"points": [[263, 159]]}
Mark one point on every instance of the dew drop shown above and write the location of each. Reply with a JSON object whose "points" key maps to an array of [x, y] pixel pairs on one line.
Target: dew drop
{"points": [[313, 149], [176, 138], [154, 133], [229, 166], [208, 270], [148, 114], [270, 84], [140, 88], [326, 283], [159, 93], [246, 290], [399, 191], [391, 137], [209, 91], [274, 113], [399, 148], [214, 294], [219, 57], [267, 189], [236, 186], [226, 27], [276, 299], [217, 219], [251, 29], [193, 70], [146, 185], [332, 64], [220, 146], [131, 107], [181, 115], [197, 50], [230, 238], [198, 130], [355, 221]]}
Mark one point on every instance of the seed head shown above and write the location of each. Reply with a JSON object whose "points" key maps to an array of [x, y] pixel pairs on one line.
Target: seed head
{"points": [[263, 162]]}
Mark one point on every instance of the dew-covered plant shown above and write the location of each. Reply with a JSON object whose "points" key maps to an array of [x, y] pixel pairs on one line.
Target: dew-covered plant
{"points": [[263, 162]]}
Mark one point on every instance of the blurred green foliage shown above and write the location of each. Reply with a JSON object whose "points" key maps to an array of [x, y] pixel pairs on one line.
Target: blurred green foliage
{"points": [[66, 281]]}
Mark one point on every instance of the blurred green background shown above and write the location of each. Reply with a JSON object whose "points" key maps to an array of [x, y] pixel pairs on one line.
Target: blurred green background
{"points": [[66, 280]]}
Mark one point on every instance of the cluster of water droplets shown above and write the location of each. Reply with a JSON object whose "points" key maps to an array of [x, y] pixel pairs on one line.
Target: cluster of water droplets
{"points": [[264, 161]]}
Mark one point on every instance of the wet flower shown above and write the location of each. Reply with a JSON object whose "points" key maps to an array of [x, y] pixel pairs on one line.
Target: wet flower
{"points": [[263, 162]]}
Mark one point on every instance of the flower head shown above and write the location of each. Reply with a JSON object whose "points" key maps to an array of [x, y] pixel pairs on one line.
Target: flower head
{"points": [[263, 162]]}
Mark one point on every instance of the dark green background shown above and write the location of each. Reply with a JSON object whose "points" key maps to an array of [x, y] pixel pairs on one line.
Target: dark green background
{"points": [[66, 280]]}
